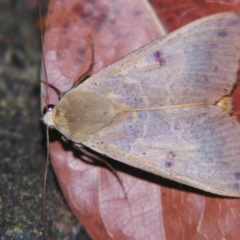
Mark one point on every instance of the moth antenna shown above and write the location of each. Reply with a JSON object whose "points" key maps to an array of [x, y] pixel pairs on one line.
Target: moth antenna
{"points": [[42, 43], [47, 131], [108, 165], [45, 185]]}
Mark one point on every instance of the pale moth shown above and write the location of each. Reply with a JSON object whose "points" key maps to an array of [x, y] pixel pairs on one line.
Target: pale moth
{"points": [[165, 108]]}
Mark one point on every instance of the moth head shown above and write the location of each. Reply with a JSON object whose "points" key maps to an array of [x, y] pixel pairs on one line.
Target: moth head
{"points": [[48, 116]]}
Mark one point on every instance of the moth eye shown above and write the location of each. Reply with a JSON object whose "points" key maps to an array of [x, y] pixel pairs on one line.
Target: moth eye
{"points": [[48, 108]]}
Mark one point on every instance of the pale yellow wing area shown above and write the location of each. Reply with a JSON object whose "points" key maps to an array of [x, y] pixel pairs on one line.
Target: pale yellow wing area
{"points": [[165, 93]]}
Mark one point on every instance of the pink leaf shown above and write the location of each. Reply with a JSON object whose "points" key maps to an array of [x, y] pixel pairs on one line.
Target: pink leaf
{"points": [[155, 208]]}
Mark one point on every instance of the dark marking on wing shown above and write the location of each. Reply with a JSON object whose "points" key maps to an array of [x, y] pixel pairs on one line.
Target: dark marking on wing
{"points": [[168, 164], [237, 175], [222, 33], [159, 58]]}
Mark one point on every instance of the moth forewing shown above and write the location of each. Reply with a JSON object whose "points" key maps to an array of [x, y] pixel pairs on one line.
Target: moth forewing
{"points": [[157, 110]]}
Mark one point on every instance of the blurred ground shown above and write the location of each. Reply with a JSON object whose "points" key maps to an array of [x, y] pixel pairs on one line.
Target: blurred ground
{"points": [[22, 144]]}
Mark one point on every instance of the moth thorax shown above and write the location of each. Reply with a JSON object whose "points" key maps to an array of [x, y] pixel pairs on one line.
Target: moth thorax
{"points": [[78, 115]]}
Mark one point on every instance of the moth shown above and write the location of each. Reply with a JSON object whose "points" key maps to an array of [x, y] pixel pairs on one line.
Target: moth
{"points": [[165, 108]]}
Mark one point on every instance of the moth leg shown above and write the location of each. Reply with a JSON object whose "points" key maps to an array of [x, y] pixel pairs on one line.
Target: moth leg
{"points": [[80, 80], [88, 73], [64, 139], [93, 156]]}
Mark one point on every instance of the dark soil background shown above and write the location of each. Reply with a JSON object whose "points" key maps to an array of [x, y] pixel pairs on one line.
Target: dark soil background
{"points": [[22, 140]]}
